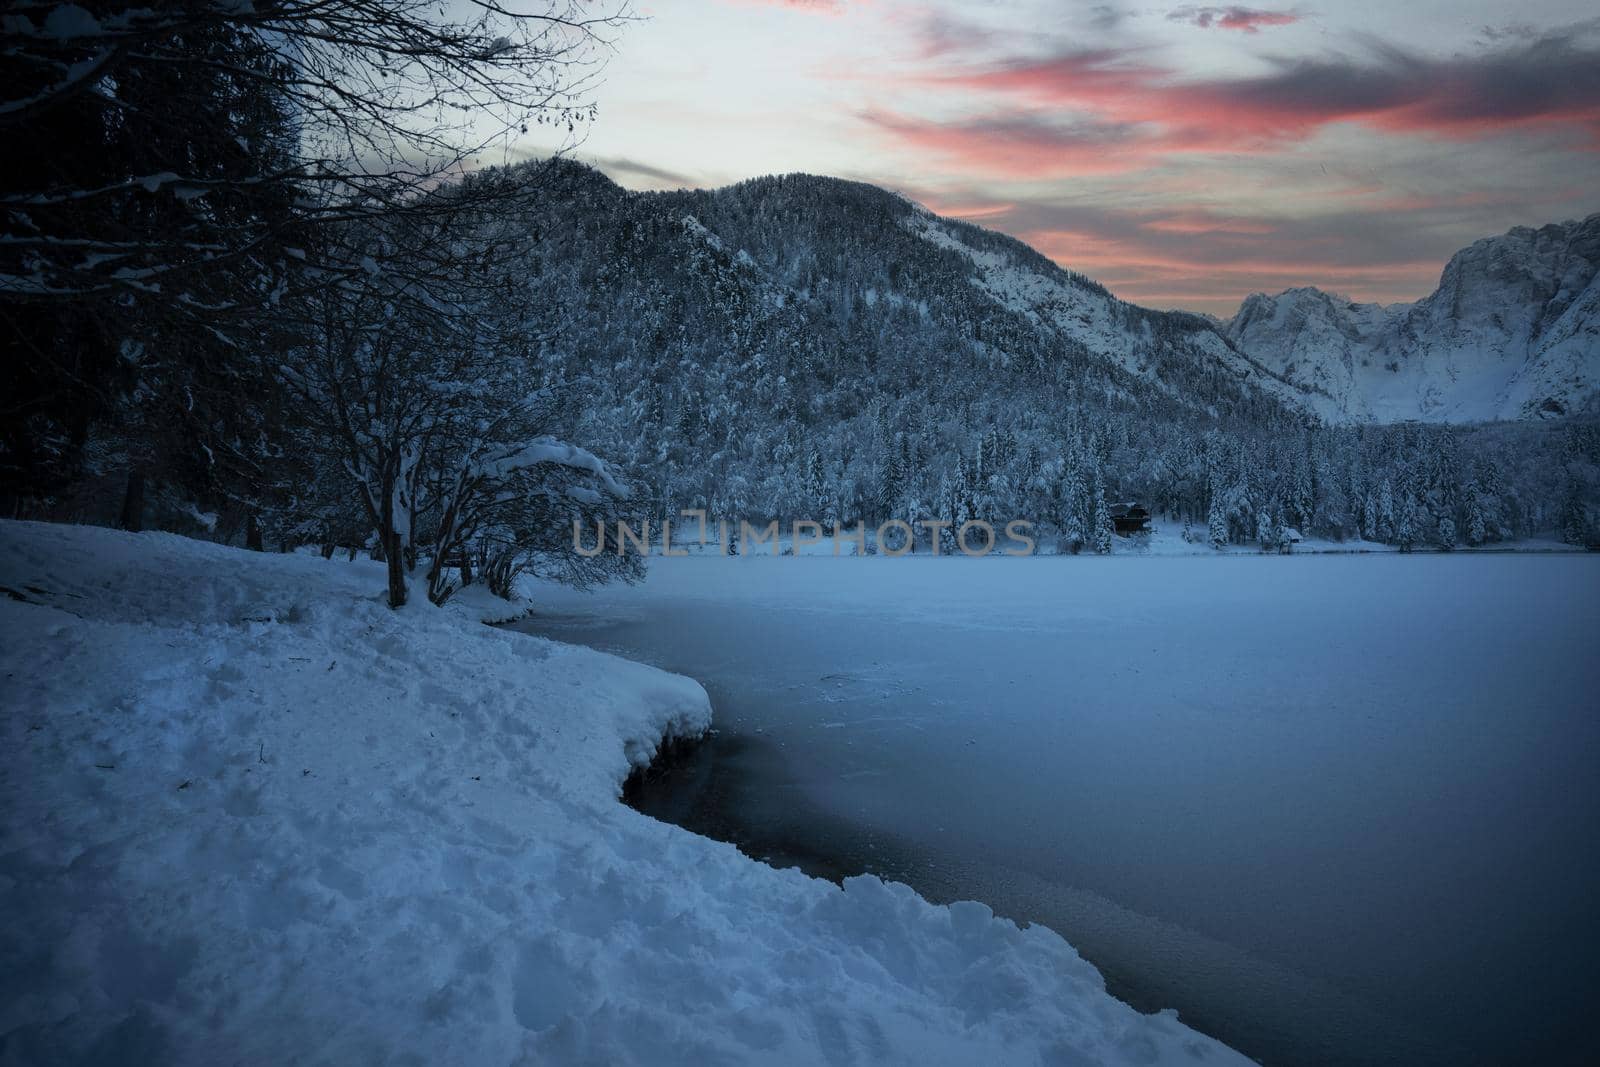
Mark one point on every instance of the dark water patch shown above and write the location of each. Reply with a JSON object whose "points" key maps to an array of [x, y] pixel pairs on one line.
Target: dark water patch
{"points": [[722, 786], [740, 789]]}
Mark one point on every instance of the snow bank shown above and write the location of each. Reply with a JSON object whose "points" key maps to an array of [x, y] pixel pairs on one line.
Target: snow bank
{"points": [[252, 816]]}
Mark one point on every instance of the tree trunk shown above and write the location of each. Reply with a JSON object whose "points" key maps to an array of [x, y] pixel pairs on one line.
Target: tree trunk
{"points": [[133, 503], [252, 534], [395, 556], [327, 549]]}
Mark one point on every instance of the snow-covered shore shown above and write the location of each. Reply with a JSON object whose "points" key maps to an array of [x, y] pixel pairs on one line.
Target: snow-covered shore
{"points": [[1165, 538], [253, 816]]}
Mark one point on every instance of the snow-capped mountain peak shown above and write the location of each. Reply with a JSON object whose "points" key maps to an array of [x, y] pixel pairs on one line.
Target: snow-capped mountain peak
{"points": [[1513, 331]]}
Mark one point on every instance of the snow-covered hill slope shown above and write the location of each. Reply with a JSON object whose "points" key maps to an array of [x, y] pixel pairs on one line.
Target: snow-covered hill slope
{"points": [[1512, 332], [248, 815], [766, 307], [825, 297], [1086, 316]]}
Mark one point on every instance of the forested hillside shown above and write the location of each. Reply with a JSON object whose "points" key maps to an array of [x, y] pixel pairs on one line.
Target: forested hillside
{"points": [[456, 378], [809, 347]]}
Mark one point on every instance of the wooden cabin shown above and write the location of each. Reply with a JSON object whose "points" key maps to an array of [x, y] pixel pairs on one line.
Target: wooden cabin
{"points": [[1130, 518]]}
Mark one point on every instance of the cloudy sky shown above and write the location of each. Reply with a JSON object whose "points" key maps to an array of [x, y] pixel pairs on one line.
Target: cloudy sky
{"points": [[1185, 155]]}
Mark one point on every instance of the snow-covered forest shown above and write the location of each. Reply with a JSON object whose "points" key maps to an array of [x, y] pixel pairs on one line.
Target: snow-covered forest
{"points": [[787, 348], [811, 347], [268, 294]]}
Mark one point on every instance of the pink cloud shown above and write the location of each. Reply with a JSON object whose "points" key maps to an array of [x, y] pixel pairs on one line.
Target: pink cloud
{"points": [[1243, 19], [1097, 112], [1199, 222], [1017, 146], [1545, 83]]}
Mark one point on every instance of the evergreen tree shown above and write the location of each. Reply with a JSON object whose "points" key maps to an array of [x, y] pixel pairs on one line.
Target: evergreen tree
{"points": [[816, 485], [1072, 520], [1574, 517], [911, 514], [1302, 497], [1477, 528], [1104, 530], [949, 505], [1447, 533], [893, 483], [1405, 530], [1217, 523], [1267, 532]]}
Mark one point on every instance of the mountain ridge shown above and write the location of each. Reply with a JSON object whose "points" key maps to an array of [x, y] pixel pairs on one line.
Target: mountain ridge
{"points": [[1512, 331], [816, 347]]}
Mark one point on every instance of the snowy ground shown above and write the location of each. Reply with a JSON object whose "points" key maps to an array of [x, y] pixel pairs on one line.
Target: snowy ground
{"points": [[252, 816], [1337, 809]]}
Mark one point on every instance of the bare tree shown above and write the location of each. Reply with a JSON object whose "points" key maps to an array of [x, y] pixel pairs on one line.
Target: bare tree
{"points": [[199, 150], [380, 100], [419, 388]]}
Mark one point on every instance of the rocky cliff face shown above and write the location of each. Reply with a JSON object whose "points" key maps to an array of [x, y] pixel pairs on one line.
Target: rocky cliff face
{"points": [[1512, 332]]}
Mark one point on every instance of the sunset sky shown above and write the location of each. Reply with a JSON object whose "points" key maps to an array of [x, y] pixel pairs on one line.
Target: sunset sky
{"points": [[1184, 155]]}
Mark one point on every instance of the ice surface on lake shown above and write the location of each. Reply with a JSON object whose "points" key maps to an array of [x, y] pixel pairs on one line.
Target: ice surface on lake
{"points": [[1338, 809]]}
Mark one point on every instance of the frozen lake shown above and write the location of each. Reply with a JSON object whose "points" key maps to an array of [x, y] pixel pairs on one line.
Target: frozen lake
{"points": [[1333, 809]]}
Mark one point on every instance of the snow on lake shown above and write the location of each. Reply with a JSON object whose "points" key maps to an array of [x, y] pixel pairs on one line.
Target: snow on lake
{"points": [[1334, 810]]}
